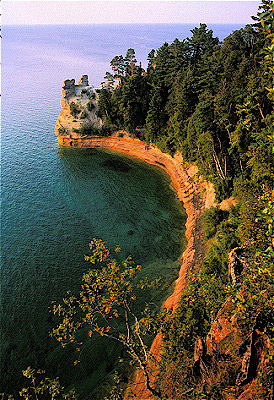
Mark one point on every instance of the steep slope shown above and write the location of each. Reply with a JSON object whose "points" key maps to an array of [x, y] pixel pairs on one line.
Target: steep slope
{"points": [[79, 106]]}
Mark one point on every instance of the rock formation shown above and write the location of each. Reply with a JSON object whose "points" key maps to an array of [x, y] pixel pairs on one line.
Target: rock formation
{"points": [[79, 107], [236, 263]]}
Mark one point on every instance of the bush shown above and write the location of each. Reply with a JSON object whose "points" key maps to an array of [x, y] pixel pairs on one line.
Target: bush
{"points": [[84, 114], [88, 130], [211, 219], [90, 105], [74, 109], [91, 130], [62, 131]]}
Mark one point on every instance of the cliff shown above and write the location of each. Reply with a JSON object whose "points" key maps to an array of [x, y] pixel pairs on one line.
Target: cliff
{"points": [[79, 106], [228, 352]]}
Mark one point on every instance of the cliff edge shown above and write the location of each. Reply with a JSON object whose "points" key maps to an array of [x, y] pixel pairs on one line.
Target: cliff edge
{"points": [[79, 107], [228, 352]]}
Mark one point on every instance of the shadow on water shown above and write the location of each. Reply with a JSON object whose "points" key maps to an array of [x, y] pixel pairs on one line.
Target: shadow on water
{"points": [[91, 194], [134, 207]]}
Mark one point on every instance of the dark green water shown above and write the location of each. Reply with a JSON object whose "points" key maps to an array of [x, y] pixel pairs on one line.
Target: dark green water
{"points": [[54, 201], [58, 200]]}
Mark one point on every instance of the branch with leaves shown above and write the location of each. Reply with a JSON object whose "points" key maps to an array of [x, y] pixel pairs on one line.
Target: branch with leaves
{"points": [[41, 387], [105, 305]]}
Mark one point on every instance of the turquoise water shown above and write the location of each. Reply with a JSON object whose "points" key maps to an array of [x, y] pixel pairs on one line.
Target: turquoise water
{"points": [[55, 200]]}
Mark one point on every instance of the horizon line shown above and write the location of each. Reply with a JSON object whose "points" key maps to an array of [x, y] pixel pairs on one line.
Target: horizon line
{"points": [[129, 23]]}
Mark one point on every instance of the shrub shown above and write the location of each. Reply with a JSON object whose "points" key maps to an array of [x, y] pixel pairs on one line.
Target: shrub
{"points": [[62, 131], [84, 114], [90, 105], [74, 109], [88, 130], [211, 219]]}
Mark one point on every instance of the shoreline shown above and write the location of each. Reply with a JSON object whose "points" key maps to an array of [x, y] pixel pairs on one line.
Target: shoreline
{"points": [[196, 195]]}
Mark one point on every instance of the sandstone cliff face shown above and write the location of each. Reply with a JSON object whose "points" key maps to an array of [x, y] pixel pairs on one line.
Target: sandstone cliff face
{"points": [[228, 352], [79, 106], [231, 355]]}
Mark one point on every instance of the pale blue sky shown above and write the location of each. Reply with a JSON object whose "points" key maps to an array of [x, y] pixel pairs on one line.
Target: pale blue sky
{"points": [[134, 11]]}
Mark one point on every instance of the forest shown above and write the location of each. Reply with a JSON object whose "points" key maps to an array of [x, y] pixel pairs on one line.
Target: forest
{"points": [[212, 101], [208, 99]]}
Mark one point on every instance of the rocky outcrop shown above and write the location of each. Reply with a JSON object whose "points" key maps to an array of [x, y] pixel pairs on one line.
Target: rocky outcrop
{"points": [[230, 355], [201, 358], [79, 107], [236, 263]]}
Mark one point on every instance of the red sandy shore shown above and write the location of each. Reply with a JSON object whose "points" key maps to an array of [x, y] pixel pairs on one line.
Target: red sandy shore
{"points": [[194, 192]]}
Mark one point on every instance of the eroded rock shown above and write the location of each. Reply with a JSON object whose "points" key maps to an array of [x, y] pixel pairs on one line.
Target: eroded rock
{"points": [[252, 356], [79, 108], [236, 263]]}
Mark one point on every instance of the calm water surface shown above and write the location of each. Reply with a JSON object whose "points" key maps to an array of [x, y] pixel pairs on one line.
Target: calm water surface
{"points": [[55, 200]]}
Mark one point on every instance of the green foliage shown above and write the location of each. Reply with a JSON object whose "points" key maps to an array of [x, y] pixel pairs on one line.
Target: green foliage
{"points": [[256, 289], [62, 131], [105, 306], [117, 390], [74, 109], [91, 130], [211, 219], [90, 105], [208, 287], [42, 388], [84, 114], [207, 99]]}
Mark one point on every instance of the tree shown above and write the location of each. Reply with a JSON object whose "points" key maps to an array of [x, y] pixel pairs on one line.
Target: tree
{"points": [[110, 80], [41, 387], [134, 102], [105, 306], [150, 59], [202, 43], [156, 117], [130, 61], [118, 66]]}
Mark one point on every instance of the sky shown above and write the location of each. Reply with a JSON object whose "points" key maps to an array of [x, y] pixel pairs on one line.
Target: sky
{"points": [[21, 12]]}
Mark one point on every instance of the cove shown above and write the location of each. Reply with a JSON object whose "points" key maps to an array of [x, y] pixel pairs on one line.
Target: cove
{"points": [[93, 193]]}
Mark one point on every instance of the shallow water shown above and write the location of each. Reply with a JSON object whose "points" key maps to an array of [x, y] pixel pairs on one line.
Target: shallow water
{"points": [[54, 200]]}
